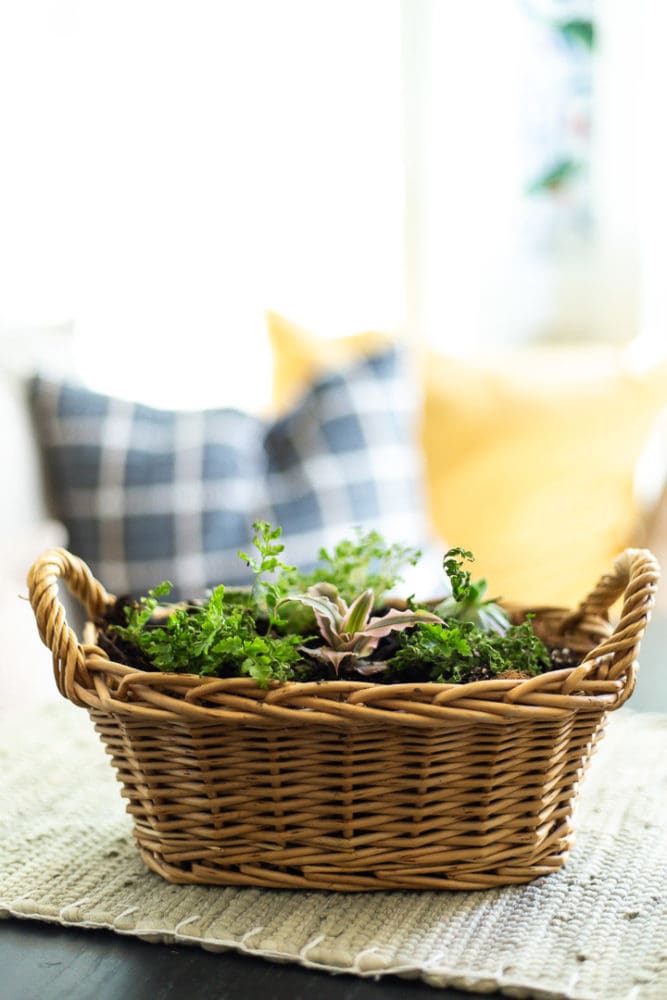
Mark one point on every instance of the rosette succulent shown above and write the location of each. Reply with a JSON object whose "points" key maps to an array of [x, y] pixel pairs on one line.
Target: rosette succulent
{"points": [[349, 631]]}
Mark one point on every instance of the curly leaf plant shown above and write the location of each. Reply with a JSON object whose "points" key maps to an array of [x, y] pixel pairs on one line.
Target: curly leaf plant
{"points": [[349, 631], [466, 603]]}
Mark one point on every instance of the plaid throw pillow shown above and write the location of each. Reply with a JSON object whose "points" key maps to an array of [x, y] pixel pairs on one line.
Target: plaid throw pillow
{"points": [[149, 495], [347, 456]]}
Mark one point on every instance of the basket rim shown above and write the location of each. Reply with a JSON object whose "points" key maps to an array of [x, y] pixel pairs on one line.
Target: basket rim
{"points": [[425, 704], [603, 680]]}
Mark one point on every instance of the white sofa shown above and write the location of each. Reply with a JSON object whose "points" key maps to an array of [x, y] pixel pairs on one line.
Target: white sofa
{"points": [[27, 528]]}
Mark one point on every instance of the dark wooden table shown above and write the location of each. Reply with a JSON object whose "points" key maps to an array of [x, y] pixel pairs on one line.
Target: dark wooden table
{"points": [[43, 962]]}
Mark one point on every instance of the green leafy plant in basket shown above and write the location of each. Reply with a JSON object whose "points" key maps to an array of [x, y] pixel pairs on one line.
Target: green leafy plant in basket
{"points": [[466, 603], [334, 622]]}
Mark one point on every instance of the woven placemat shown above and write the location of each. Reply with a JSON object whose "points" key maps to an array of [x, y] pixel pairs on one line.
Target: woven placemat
{"points": [[596, 929]]}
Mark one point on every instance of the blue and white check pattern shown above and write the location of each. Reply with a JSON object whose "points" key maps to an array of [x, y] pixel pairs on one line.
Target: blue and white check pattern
{"points": [[347, 456], [149, 495]]}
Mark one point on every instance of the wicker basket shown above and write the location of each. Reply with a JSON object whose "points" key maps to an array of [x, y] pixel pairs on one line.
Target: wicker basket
{"points": [[348, 785]]}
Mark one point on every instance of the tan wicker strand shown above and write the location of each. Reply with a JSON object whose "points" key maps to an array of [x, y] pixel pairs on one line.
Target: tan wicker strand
{"points": [[635, 576], [68, 656], [347, 785], [180, 695]]}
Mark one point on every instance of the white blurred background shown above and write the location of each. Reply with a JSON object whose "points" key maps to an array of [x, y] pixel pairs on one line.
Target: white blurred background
{"points": [[472, 176]]}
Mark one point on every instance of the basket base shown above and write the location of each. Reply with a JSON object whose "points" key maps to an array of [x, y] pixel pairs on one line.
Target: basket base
{"points": [[332, 878], [351, 811]]}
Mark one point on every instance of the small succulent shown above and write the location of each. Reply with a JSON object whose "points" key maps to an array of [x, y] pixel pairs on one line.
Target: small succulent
{"points": [[349, 631], [467, 603]]}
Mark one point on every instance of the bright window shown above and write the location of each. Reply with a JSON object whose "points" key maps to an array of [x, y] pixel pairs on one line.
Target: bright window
{"points": [[466, 174]]}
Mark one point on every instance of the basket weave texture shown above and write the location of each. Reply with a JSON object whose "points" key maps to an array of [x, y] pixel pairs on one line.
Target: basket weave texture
{"points": [[348, 785]]}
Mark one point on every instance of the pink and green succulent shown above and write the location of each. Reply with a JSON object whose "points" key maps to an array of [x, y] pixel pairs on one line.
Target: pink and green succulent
{"points": [[350, 632]]}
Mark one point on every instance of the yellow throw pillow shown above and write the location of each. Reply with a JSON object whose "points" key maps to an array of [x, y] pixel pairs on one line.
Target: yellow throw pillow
{"points": [[299, 356], [536, 475], [530, 456]]}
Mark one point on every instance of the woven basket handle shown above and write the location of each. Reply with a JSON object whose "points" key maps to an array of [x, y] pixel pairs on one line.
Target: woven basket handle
{"points": [[635, 574], [634, 577], [68, 653]]}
